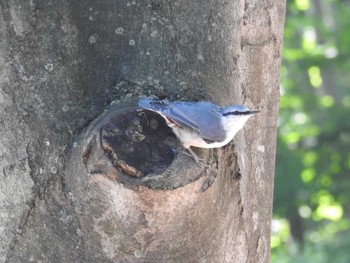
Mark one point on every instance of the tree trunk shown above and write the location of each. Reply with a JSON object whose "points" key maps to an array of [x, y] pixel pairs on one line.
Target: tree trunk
{"points": [[87, 177]]}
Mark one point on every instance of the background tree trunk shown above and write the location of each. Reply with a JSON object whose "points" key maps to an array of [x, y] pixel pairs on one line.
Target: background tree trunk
{"points": [[67, 195]]}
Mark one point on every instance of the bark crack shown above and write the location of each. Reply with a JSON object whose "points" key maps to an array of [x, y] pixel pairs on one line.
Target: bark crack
{"points": [[18, 234]]}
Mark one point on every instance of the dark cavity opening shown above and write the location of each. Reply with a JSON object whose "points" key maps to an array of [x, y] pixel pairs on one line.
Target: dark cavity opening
{"points": [[139, 142]]}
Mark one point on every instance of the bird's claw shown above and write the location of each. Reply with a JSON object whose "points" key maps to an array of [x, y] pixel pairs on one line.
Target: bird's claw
{"points": [[199, 161]]}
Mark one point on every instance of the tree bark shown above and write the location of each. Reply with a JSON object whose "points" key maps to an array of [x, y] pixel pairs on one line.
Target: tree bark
{"points": [[87, 177]]}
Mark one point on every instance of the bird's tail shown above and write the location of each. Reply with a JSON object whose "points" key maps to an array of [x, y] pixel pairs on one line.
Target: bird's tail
{"points": [[154, 105], [145, 103]]}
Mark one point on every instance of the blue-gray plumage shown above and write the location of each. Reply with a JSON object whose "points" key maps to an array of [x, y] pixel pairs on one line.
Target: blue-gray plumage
{"points": [[200, 124]]}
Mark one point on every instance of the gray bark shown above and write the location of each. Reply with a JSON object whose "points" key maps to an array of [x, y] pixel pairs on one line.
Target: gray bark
{"points": [[70, 74]]}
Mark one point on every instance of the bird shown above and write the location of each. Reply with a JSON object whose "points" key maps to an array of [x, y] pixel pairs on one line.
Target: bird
{"points": [[200, 124]]}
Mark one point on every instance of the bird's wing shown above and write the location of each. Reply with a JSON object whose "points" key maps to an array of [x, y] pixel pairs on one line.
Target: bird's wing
{"points": [[204, 117], [164, 108]]}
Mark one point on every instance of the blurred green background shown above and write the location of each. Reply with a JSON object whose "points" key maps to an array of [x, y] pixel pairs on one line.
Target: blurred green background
{"points": [[311, 220]]}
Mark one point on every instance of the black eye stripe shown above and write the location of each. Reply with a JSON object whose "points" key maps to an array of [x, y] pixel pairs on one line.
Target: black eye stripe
{"points": [[237, 113]]}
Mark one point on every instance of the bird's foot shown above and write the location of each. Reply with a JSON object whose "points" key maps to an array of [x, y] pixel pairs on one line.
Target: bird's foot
{"points": [[199, 161]]}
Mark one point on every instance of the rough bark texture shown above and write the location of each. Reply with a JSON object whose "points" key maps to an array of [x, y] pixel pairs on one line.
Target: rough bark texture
{"points": [[71, 192]]}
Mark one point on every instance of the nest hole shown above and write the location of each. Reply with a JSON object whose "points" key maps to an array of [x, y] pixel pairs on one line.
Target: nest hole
{"points": [[139, 142]]}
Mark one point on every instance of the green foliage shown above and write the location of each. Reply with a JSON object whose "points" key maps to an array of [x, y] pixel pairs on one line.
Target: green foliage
{"points": [[311, 206]]}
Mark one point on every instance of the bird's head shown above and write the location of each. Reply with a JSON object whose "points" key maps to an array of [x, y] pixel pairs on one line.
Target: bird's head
{"points": [[235, 116]]}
